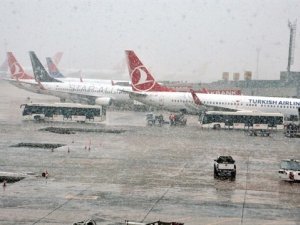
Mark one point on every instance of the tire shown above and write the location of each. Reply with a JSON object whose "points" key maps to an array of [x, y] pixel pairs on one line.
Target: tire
{"points": [[215, 173], [217, 127], [233, 175], [37, 118]]}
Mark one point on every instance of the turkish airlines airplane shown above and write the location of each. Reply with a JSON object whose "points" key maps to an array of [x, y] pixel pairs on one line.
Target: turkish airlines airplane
{"points": [[4, 67], [91, 93], [18, 76], [146, 90]]}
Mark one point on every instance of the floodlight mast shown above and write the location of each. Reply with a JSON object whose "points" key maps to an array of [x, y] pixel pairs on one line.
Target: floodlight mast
{"points": [[292, 28]]}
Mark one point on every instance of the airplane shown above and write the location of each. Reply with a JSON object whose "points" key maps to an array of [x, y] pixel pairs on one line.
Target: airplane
{"points": [[90, 93], [145, 89], [16, 70], [18, 74], [9, 56]]}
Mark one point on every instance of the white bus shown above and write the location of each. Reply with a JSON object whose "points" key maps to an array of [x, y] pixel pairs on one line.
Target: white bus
{"points": [[64, 112], [241, 120]]}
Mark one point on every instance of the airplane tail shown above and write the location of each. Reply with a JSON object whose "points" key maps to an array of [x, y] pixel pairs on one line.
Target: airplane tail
{"points": [[16, 70], [204, 91], [40, 74], [53, 70], [141, 78], [197, 101], [57, 57]]}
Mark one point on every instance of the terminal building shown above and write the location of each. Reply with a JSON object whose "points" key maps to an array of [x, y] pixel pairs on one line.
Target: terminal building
{"points": [[287, 86]]}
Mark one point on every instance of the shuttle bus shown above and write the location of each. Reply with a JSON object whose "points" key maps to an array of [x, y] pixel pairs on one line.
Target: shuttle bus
{"points": [[241, 120], [64, 112]]}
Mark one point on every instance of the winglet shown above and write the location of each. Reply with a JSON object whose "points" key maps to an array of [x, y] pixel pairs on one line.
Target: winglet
{"points": [[16, 70], [80, 71], [40, 74], [141, 78], [195, 97]]}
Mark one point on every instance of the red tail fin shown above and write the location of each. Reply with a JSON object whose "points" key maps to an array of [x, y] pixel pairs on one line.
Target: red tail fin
{"points": [[195, 98], [141, 78], [57, 57], [16, 70], [40, 85], [204, 90]]}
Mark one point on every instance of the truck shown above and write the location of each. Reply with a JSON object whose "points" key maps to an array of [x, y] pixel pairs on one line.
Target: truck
{"points": [[224, 166]]}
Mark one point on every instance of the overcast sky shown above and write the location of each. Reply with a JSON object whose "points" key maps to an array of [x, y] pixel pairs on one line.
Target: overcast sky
{"points": [[194, 40]]}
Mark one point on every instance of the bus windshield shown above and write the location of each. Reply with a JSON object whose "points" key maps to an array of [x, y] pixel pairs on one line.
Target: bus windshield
{"points": [[290, 165]]}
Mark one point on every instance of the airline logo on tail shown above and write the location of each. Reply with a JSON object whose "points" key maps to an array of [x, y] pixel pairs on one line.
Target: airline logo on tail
{"points": [[195, 98], [53, 70], [57, 57], [40, 74], [16, 69], [141, 78]]}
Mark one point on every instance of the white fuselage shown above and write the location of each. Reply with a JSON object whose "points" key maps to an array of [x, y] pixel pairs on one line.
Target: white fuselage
{"points": [[64, 90], [94, 81], [73, 90], [176, 101]]}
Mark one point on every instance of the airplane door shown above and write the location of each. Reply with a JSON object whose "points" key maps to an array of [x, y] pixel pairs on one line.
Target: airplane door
{"points": [[161, 101]]}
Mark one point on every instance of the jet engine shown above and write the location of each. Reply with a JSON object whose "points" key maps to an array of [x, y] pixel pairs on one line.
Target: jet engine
{"points": [[103, 101]]}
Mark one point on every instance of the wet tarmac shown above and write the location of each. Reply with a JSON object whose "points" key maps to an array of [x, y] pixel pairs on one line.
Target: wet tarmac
{"points": [[144, 174]]}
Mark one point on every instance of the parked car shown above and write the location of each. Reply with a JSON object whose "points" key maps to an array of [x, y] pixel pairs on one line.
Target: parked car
{"points": [[224, 166], [289, 170]]}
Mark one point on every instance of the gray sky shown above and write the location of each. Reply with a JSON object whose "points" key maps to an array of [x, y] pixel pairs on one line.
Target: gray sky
{"points": [[194, 40]]}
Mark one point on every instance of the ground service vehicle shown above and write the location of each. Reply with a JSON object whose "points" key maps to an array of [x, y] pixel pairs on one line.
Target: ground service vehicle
{"points": [[289, 170], [224, 166], [86, 222], [177, 119], [291, 130], [241, 120], [153, 223], [64, 112], [153, 119]]}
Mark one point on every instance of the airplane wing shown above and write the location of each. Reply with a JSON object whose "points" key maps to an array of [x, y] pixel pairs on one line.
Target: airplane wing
{"points": [[82, 98], [134, 93]]}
